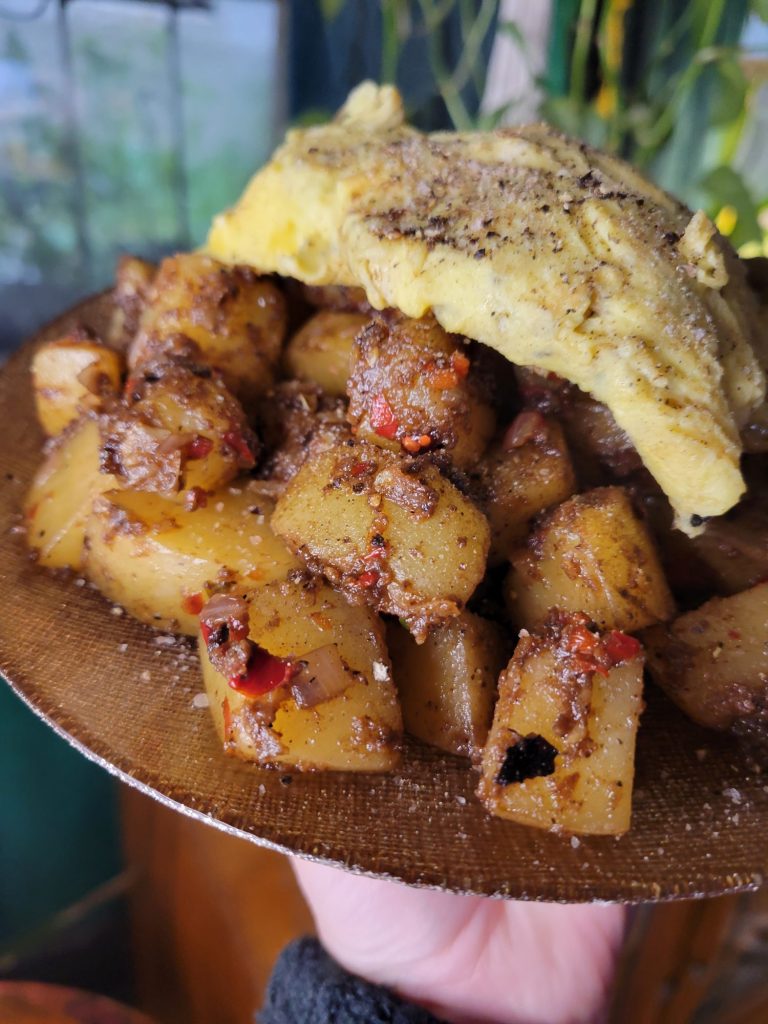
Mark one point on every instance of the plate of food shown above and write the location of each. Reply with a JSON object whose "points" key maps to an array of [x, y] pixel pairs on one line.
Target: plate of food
{"points": [[417, 524]]}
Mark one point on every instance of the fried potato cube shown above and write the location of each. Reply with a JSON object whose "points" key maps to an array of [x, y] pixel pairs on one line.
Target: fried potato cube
{"points": [[411, 387], [322, 350], [177, 430], [297, 421], [447, 685], [561, 750], [59, 501], [713, 662], [156, 559], [591, 554], [71, 376], [348, 719], [387, 530], [527, 471], [201, 311], [132, 284]]}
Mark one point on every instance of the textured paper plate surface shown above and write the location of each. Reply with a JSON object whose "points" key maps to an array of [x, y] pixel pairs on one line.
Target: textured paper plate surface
{"points": [[123, 695]]}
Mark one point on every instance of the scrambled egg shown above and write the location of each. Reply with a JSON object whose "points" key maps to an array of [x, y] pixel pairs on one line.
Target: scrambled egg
{"points": [[560, 257]]}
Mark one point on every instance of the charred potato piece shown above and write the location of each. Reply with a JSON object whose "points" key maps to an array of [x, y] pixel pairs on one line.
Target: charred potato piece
{"points": [[71, 376], [389, 531], [591, 554], [713, 662], [200, 311], [321, 351], [447, 685], [157, 559], [339, 711], [59, 501], [411, 388], [527, 471], [298, 421], [132, 283], [177, 430], [561, 749]]}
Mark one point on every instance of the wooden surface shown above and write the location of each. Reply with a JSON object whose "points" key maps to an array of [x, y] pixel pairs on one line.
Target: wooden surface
{"points": [[211, 914]]}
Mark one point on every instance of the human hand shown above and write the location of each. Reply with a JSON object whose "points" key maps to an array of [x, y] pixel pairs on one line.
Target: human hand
{"points": [[466, 958]]}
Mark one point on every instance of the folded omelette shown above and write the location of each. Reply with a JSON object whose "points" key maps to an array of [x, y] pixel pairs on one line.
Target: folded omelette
{"points": [[560, 257]]}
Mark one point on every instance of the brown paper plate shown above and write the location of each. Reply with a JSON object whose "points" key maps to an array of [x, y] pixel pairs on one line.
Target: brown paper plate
{"points": [[123, 696]]}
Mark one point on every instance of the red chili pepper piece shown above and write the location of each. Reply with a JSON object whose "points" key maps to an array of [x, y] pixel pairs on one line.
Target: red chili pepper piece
{"points": [[620, 647], [235, 440], [361, 468], [193, 605], [368, 578], [198, 447], [265, 673], [383, 418]]}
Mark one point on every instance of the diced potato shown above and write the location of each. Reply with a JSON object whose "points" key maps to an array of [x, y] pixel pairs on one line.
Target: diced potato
{"points": [[70, 376], [321, 351], [155, 558], [527, 471], [561, 750], [447, 685], [388, 531], [411, 387], [177, 430], [132, 284], [355, 729], [595, 439], [591, 554], [297, 421], [201, 311], [59, 500], [713, 662]]}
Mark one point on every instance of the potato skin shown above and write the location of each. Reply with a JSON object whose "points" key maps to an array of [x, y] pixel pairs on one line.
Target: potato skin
{"points": [[71, 376], [560, 755], [321, 351], [387, 530], [201, 311], [357, 730], [411, 387], [713, 662], [591, 554], [447, 685]]}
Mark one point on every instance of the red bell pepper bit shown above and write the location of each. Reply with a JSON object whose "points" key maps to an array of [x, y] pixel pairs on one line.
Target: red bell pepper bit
{"points": [[193, 605], [198, 447], [235, 440], [619, 647], [369, 578], [383, 418], [265, 672]]}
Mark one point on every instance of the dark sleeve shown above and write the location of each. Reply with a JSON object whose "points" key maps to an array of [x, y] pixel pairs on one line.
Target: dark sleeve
{"points": [[308, 987]]}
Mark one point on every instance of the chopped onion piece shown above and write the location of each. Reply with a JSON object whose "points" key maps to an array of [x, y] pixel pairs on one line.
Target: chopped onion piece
{"points": [[321, 675]]}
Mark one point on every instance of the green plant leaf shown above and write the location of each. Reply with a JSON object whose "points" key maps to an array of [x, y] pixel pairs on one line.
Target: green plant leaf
{"points": [[730, 92], [760, 8], [725, 187]]}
